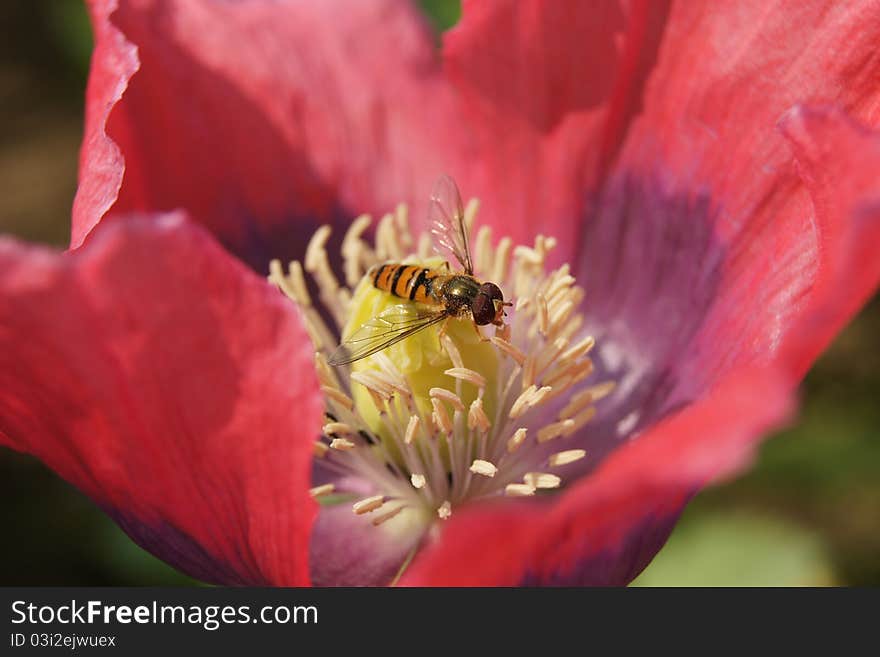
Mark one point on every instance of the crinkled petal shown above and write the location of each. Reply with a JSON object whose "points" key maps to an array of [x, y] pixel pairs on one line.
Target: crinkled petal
{"points": [[839, 162], [319, 110], [606, 528], [174, 387], [546, 91], [725, 74]]}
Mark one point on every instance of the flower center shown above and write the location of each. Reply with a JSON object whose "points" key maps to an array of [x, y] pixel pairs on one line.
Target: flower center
{"points": [[455, 412]]}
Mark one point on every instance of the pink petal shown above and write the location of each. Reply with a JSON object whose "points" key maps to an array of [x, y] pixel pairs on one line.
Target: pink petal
{"points": [[174, 387], [262, 119], [606, 528], [839, 162], [546, 90]]}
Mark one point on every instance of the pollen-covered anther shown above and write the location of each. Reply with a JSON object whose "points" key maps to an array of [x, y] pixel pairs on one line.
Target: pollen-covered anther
{"points": [[565, 457], [484, 468], [519, 490], [555, 430], [412, 428], [342, 444], [509, 349], [374, 382], [531, 396], [579, 420], [368, 504], [440, 416], [320, 448], [336, 428], [516, 440], [448, 396], [324, 489], [466, 374], [417, 480], [477, 418], [542, 480], [338, 396], [388, 515], [444, 510]]}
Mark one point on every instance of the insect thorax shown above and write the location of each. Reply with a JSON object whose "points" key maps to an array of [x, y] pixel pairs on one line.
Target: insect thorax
{"points": [[459, 292]]}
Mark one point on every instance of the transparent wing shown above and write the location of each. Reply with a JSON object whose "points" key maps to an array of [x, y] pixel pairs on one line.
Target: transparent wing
{"points": [[392, 326], [446, 218]]}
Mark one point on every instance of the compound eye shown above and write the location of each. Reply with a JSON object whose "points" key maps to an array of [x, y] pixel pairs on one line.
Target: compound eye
{"points": [[483, 309], [492, 290]]}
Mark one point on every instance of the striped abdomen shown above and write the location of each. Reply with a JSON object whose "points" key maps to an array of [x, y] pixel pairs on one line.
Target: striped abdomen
{"points": [[412, 282]]}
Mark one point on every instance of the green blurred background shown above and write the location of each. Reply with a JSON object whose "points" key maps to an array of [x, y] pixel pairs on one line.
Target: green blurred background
{"points": [[807, 514]]}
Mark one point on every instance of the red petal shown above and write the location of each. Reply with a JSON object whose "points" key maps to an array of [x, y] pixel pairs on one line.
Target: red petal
{"points": [[547, 90], [839, 162], [171, 385], [101, 165], [319, 111], [606, 528]]}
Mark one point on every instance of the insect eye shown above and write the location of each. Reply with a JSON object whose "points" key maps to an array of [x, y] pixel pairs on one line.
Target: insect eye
{"points": [[492, 291], [483, 309]]}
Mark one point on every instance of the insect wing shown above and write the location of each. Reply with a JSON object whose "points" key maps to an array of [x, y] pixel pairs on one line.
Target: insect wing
{"points": [[390, 327], [446, 218]]}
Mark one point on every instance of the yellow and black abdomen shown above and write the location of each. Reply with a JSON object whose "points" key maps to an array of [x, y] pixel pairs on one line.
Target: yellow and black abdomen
{"points": [[412, 282]]}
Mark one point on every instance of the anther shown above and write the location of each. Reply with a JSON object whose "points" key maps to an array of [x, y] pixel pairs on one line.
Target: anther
{"points": [[324, 489], [368, 504], [484, 468], [516, 440], [566, 457], [469, 375], [411, 428], [519, 490], [542, 480]]}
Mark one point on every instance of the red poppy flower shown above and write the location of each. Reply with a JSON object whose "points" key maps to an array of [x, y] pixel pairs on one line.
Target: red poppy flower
{"points": [[707, 169]]}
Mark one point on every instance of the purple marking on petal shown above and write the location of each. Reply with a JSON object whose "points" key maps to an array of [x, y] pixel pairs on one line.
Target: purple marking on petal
{"points": [[347, 550], [650, 263], [615, 565], [179, 550]]}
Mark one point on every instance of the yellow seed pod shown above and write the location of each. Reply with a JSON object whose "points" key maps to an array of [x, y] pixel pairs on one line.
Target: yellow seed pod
{"points": [[420, 358]]}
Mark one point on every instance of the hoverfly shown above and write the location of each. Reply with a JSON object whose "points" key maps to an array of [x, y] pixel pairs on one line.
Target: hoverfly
{"points": [[434, 294]]}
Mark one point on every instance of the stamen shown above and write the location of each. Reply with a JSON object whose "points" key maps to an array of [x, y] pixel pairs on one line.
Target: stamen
{"points": [[446, 395], [484, 468], [555, 430], [566, 457], [474, 444], [368, 504], [477, 418], [411, 428], [385, 517], [509, 349], [542, 480], [332, 428], [371, 381], [580, 420], [324, 489], [452, 351], [516, 440], [354, 251], [531, 396], [440, 416], [519, 490], [468, 375], [338, 396]]}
